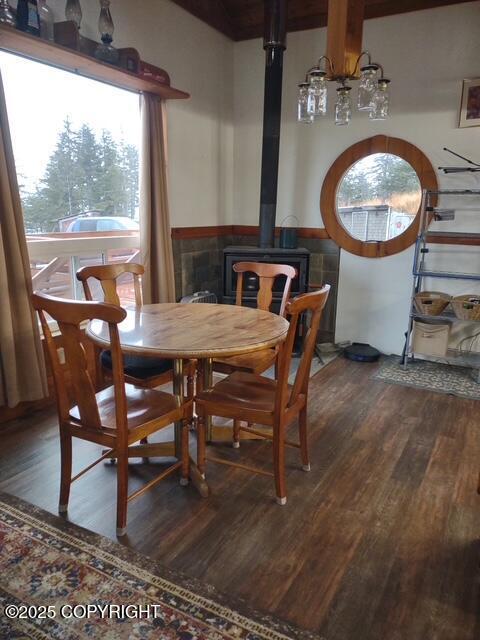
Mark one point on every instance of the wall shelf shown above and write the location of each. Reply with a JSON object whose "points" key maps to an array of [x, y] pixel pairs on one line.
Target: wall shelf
{"points": [[28, 46], [442, 316], [447, 274]]}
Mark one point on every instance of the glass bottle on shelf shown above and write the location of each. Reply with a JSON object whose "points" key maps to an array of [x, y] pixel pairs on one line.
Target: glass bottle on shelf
{"points": [[105, 51], [317, 93], [45, 14], [380, 101], [343, 106], [303, 114], [6, 15], [27, 17], [73, 12]]}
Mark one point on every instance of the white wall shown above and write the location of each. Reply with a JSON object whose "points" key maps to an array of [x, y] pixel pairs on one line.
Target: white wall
{"points": [[200, 61], [215, 137], [426, 54]]}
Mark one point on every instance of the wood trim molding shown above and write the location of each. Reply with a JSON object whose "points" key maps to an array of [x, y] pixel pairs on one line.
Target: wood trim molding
{"points": [[328, 207], [184, 233], [312, 232], [472, 240], [303, 232]]}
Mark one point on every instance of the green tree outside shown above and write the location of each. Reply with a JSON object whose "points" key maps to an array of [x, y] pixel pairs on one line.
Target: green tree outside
{"points": [[83, 174], [378, 179]]}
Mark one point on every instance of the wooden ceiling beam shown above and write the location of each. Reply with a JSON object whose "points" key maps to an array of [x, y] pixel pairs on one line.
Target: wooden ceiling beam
{"points": [[344, 36], [245, 17], [212, 12], [376, 9]]}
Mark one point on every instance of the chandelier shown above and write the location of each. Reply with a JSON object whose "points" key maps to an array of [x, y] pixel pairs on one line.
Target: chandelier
{"points": [[372, 96], [345, 60]]}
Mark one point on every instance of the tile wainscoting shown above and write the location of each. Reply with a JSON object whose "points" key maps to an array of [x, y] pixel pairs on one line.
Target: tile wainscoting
{"points": [[198, 260]]}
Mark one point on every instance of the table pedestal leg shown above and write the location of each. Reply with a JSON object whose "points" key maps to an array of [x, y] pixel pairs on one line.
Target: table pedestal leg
{"points": [[178, 392], [208, 384], [195, 476]]}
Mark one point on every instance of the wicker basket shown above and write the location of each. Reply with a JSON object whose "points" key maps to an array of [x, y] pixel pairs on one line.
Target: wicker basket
{"points": [[467, 307], [431, 303]]}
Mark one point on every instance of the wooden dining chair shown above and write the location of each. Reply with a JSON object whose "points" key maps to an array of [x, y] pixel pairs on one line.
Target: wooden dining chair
{"points": [[140, 371], [267, 274], [272, 403], [117, 416], [259, 361]]}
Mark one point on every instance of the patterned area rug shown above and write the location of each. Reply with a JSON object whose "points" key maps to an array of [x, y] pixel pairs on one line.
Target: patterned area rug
{"points": [[433, 376], [57, 582]]}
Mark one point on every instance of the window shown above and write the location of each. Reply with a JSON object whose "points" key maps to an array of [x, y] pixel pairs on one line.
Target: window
{"points": [[76, 148], [370, 200], [378, 197]]}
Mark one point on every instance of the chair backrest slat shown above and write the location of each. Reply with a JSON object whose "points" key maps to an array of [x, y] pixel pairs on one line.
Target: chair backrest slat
{"points": [[69, 316], [267, 274], [308, 302], [61, 391], [107, 275], [82, 384]]}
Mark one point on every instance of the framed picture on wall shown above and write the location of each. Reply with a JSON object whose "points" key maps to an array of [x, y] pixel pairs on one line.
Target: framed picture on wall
{"points": [[470, 107]]}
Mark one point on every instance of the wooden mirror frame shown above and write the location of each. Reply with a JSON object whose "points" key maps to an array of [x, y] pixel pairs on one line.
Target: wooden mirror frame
{"points": [[328, 198]]}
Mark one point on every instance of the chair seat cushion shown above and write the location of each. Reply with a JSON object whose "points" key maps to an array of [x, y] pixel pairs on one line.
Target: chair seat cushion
{"points": [[139, 366], [143, 406], [256, 362]]}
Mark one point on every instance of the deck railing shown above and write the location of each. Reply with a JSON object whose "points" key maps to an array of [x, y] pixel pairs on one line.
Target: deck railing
{"points": [[55, 258]]}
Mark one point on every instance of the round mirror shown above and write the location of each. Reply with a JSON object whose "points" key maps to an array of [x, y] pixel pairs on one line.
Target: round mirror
{"points": [[371, 196], [378, 197]]}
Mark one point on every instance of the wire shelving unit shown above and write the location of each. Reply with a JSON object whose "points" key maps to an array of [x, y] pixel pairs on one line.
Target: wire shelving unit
{"points": [[420, 271]]}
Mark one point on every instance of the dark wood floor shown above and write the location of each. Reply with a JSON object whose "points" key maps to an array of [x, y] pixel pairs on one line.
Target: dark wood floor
{"points": [[379, 541]]}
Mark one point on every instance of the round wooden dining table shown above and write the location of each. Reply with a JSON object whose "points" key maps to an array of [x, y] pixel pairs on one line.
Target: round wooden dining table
{"points": [[190, 331]]}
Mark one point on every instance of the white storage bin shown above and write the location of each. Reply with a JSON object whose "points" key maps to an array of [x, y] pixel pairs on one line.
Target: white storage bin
{"points": [[431, 339]]}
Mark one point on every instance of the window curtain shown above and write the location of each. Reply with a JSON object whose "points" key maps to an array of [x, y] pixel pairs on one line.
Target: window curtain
{"points": [[155, 234], [22, 368]]}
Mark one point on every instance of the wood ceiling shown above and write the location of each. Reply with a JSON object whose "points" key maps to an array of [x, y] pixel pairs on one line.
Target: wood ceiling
{"points": [[243, 19]]}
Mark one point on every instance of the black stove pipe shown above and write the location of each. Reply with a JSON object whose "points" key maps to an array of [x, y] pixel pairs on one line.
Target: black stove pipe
{"points": [[274, 44]]}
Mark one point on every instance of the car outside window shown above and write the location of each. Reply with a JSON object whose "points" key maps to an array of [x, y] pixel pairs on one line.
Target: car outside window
{"points": [[108, 225], [86, 225]]}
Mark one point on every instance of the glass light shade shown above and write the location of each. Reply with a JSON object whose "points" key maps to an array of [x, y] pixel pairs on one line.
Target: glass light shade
{"points": [[303, 114], [367, 87], [380, 101], [317, 94], [343, 106], [73, 12]]}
